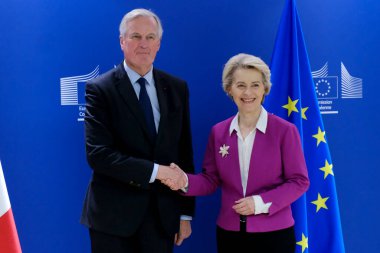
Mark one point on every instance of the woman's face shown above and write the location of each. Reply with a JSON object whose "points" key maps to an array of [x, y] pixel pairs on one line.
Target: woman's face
{"points": [[247, 90]]}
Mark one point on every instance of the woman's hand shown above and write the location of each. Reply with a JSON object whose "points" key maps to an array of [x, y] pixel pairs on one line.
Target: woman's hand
{"points": [[244, 206]]}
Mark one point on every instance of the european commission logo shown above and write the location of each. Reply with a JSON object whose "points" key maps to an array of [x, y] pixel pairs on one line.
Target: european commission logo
{"points": [[328, 90], [73, 91]]}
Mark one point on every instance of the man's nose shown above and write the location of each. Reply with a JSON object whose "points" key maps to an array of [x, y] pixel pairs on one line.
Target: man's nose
{"points": [[143, 43]]}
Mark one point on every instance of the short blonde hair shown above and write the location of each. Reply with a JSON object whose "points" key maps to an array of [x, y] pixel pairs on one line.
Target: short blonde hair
{"points": [[245, 61]]}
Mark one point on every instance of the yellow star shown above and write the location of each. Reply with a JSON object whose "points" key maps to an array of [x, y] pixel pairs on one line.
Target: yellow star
{"points": [[327, 169], [320, 136], [303, 110], [320, 202], [304, 243], [291, 106]]}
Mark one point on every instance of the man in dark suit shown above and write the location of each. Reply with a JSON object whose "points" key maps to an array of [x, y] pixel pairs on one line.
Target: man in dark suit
{"points": [[137, 122]]}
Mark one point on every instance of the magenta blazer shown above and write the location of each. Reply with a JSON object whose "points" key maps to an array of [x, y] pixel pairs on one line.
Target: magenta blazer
{"points": [[277, 173]]}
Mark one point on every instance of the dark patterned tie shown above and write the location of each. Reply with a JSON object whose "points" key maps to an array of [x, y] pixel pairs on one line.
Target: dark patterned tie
{"points": [[146, 106]]}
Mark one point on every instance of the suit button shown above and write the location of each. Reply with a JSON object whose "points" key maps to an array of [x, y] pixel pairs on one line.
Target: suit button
{"points": [[133, 183]]}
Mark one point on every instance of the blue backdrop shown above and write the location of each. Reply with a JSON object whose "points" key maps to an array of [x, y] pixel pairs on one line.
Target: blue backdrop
{"points": [[49, 48]]}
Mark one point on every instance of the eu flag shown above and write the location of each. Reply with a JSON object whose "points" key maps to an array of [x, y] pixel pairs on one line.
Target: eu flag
{"points": [[293, 97]]}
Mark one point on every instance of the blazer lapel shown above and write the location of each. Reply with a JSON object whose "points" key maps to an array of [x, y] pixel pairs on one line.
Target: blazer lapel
{"points": [[128, 94], [256, 157], [233, 164]]}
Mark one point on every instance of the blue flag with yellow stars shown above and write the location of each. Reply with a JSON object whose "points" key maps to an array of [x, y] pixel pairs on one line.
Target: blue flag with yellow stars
{"points": [[293, 97]]}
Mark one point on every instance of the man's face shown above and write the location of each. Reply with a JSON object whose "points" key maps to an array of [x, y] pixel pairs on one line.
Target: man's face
{"points": [[140, 44]]}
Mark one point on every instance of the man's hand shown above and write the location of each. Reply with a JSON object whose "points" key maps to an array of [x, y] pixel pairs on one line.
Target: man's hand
{"points": [[172, 176], [244, 206], [184, 232]]}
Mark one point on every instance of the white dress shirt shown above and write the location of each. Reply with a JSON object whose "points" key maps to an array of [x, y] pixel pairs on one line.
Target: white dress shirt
{"points": [[245, 152]]}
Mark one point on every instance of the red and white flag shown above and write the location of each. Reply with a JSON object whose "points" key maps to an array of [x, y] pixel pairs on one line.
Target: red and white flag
{"points": [[9, 242]]}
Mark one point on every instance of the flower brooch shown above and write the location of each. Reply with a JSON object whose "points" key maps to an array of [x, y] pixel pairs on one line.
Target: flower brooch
{"points": [[223, 150]]}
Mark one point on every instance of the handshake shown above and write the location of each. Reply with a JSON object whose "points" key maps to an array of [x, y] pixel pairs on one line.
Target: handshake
{"points": [[172, 176]]}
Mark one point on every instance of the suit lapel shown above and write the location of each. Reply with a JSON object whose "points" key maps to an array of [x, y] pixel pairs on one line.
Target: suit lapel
{"points": [[128, 95], [162, 96]]}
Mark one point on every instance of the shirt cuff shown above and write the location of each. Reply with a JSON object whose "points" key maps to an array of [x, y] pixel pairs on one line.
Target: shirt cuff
{"points": [[186, 217], [184, 189], [260, 206], [154, 173]]}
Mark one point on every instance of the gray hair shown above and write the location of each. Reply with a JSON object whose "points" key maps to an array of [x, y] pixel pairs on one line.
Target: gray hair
{"points": [[139, 13], [245, 61]]}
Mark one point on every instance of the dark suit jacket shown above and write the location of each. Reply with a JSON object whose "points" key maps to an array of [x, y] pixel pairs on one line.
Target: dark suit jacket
{"points": [[121, 154]]}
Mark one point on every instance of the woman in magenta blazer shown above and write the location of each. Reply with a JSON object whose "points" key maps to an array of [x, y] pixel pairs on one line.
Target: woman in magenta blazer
{"points": [[257, 160]]}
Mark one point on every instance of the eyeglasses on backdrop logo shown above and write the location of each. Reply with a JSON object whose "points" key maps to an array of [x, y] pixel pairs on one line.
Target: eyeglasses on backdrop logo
{"points": [[73, 91], [329, 92]]}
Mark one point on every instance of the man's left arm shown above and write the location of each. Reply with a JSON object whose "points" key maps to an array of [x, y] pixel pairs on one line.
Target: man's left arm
{"points": [[185, 160], [186, 154], [183, 233]]}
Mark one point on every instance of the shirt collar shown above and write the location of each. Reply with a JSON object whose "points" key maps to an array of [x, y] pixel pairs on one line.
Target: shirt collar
{"points": [[261, 123], [134, 76]]}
